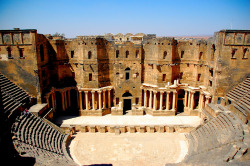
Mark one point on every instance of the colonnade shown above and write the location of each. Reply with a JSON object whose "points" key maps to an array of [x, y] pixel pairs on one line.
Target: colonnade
{"points": [[99, 99], [152, 104], [65, 98], [91, 102], [150, 101]]}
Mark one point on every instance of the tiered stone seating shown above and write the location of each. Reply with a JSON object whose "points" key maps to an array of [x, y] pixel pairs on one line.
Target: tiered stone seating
{"points": [[219, 140], [34, 131], [31, 135], [35, 138], [43, 157], [13, 96], [240, 96]]}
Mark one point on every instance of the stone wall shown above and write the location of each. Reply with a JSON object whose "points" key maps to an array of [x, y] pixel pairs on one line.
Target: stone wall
{"points": [[124, 63], [18, 60]]}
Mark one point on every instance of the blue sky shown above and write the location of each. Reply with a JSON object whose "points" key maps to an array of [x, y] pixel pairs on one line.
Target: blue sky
{"points": [[96, 17]]}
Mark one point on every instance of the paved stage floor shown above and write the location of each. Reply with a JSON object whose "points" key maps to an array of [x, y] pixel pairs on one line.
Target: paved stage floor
{"points": [[128, 149], [146, 120]]}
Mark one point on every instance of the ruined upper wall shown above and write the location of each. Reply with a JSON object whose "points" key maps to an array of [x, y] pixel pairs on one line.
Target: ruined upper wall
{"points": [[18, 58], [231, 59], [235, 37]]}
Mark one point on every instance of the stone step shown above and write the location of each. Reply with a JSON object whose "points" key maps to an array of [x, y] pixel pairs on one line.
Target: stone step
{"points": [[244, 103], [235, 94], [243, 111], [247, 83], [232, 96], [239, 91], [8, 85], [242, 87]]}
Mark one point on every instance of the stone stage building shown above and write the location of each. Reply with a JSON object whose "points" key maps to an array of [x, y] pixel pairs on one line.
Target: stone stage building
{"points": [[121, 74], [118, 74]]}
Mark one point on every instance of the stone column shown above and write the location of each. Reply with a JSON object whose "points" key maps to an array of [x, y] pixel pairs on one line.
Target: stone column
{"points": [[150, 99], [185, 104], [93, 100], [145, 98], [78, 100], [69, 103], [192, 100], [207, 99], [104, 99], [155, 103], [47, 100], [173, 104], [109, 101], [80, 94], [63, 103], [100, 101], [167, 101], [189, 99], [65, 96], [53, 100], [199, 106], [54, 97], [161, 98], [86, 100], [202, 101]]}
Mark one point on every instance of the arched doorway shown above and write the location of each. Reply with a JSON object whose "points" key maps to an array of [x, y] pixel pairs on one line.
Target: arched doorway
{"points": [[127, 102]]}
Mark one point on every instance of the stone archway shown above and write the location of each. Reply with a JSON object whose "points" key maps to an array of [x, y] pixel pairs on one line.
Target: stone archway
{"points": [[127, 102]]}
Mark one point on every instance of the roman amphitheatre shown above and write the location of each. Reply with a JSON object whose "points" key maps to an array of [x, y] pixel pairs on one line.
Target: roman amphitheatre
{"points": [[124, 99]]}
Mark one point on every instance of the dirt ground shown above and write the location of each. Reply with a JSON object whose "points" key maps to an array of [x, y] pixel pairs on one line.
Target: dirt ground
{"points": [[128, 149]]}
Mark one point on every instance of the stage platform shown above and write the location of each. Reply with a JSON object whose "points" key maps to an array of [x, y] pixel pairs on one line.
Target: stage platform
{"points": [[128, 123]]}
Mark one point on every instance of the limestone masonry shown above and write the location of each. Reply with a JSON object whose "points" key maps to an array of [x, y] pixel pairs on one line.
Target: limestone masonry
{"points": [[116, 74], [50, 86]]}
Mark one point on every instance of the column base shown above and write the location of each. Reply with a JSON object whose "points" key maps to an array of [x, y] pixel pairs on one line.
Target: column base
{"points": [[138, 111], [191, 112], [90, 112], [160, 112], [116, 111]]}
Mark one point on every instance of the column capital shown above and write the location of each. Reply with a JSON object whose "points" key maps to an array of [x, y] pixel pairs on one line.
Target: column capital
{"points": [[85, 91], [93, 91], [99, 92], [174, 91], [161, 92], [155, 91], [168, 92], [192, 92]]}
